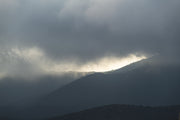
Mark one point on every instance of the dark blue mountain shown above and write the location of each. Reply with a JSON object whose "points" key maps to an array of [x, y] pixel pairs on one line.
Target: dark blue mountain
{"points": [[124, 112], [151, 82]]}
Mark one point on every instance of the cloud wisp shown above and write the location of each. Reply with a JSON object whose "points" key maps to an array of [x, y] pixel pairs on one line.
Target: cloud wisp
{"points": [[27, 62]]}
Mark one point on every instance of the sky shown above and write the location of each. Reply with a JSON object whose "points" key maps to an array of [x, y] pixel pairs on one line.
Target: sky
{"points": [[55, 36]]}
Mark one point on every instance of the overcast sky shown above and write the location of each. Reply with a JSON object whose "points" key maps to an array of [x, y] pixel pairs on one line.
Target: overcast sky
{"points": [[55, 32]]}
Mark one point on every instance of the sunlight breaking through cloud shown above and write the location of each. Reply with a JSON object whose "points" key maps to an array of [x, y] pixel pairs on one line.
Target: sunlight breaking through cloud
{"points": [[33, 61], [110, 63]]}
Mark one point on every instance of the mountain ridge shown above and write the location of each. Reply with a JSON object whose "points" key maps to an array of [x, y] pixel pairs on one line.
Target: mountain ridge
{"points": [[153, 84], [125, 112]]}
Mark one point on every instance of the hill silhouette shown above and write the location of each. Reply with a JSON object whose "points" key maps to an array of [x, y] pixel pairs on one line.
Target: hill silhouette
{"points": [[124, 112]]}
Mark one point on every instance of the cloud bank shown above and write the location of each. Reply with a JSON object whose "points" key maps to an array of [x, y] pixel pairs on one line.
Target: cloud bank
{"points": [[33, 62], [82, 31]]}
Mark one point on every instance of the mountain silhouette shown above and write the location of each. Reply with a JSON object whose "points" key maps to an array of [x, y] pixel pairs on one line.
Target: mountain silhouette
{"points": [[124, 112], [151, 82]]}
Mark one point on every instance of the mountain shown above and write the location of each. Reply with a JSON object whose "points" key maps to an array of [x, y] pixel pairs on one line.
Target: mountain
{"points": [[124, 112], [17, 94], [16, 91], [150, 82], [4, 118]]}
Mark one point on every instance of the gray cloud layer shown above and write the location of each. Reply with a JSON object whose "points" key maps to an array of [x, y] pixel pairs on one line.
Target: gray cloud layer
{"points": [[90, 29]]}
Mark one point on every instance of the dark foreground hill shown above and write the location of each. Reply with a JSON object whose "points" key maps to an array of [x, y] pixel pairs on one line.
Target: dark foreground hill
{"points": [[124, 112]]}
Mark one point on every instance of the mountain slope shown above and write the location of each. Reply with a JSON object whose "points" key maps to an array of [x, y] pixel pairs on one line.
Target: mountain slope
{"points": [[13, 90], [148, 82], [124, 112]]}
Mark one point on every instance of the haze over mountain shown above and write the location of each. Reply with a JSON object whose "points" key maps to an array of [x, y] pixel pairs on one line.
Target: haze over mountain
{"points": [[42, 41], [17, 91], [147, 82]]}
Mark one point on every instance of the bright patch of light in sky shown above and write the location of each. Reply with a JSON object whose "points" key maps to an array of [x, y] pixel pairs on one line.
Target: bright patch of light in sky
{"points": [[110, 63], [33, 61]]}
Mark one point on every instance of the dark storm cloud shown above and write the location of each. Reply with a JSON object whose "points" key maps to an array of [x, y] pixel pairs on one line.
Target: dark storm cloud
{"points": [[88, 29]]}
